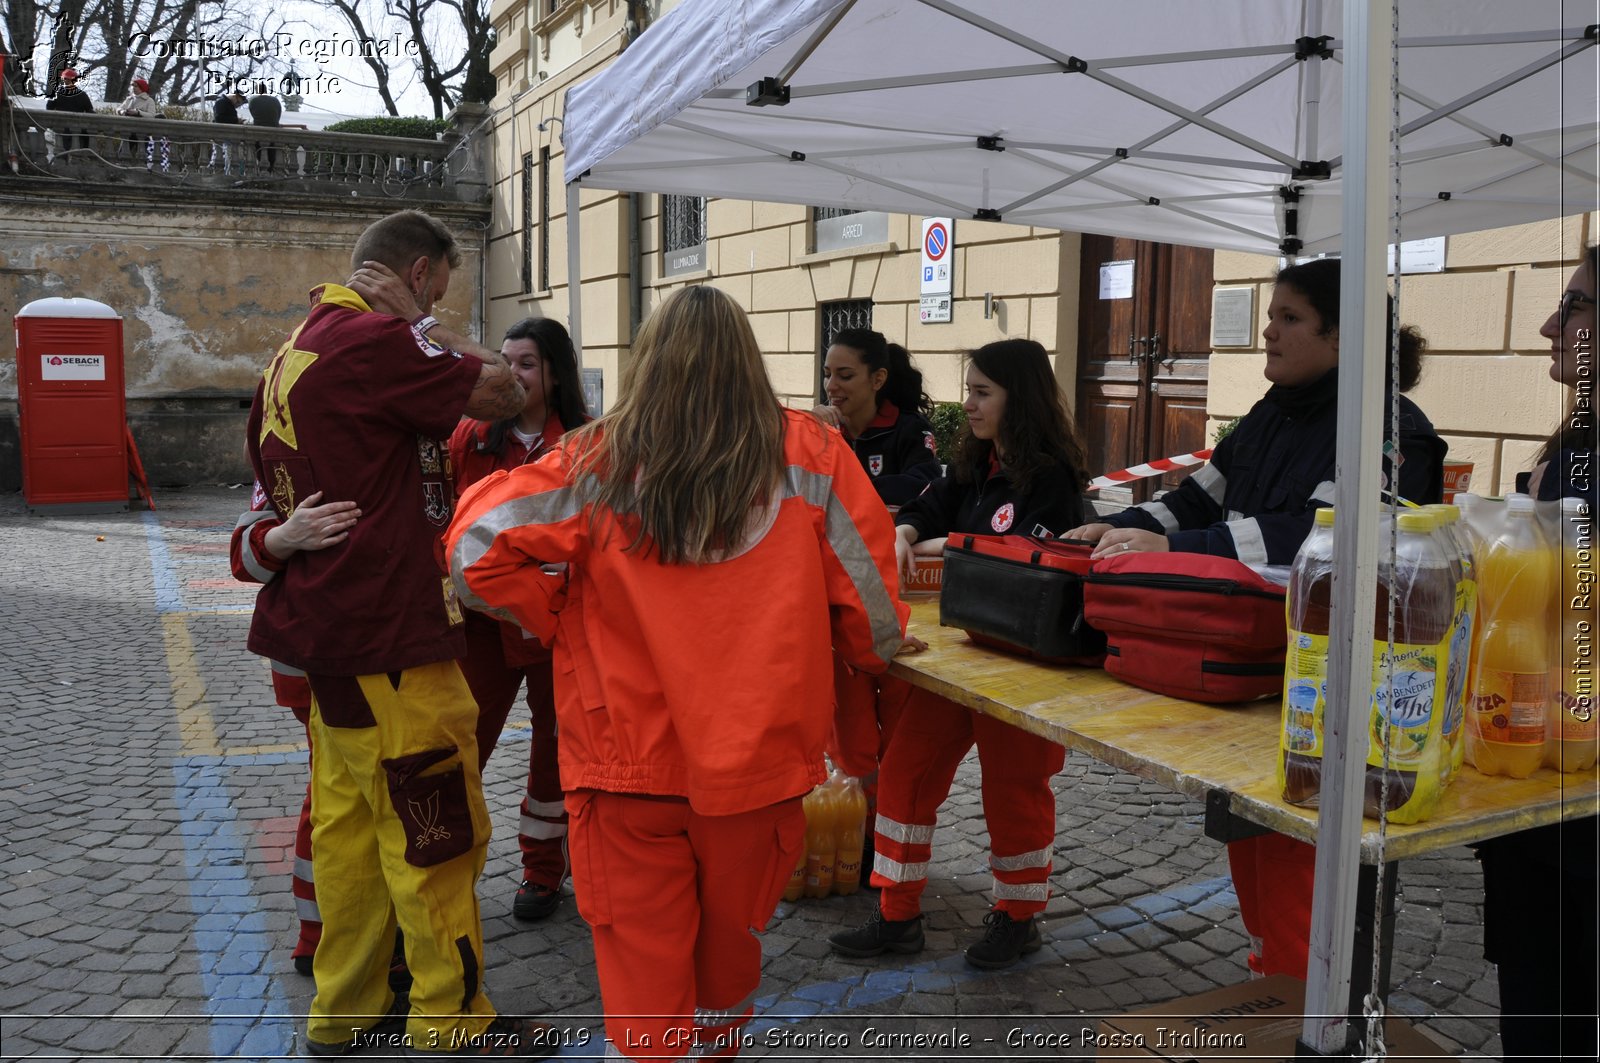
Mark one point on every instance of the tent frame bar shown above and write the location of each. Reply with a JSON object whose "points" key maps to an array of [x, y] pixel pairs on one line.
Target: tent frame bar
{"points": [[1357, 476]]}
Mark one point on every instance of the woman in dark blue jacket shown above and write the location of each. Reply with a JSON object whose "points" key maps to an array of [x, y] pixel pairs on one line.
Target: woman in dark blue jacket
{"points": [[875, 398]]}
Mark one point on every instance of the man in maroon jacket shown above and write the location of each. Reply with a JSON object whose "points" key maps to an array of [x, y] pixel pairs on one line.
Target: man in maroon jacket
{"points": [[356, 405]]}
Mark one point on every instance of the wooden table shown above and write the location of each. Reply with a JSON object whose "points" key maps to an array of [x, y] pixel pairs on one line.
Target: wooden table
{"points": [[1214, 753]]}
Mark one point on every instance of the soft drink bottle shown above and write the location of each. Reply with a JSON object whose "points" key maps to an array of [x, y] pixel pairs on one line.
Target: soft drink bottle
{"points": [[820, 841], [1572, 739], [1517, 582], [795, 888], [1409, 718], [1306, 664], [1457, 544], [852, 821]]}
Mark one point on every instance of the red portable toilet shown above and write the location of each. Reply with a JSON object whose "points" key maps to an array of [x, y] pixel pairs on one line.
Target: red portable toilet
{"points": [[71, 405]]}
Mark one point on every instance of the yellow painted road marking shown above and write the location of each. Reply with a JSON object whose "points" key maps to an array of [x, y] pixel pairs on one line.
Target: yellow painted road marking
{"points": [[195, 721]]}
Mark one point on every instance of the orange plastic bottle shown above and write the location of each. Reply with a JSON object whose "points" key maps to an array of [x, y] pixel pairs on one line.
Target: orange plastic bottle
{"points": [[851, 822], [1572, 728], [820, 841], [1517, 578]]}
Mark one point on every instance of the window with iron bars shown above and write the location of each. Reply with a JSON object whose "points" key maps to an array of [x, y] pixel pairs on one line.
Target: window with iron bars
{"points": [[836, 318], [527, 222], [683, 234], [683, 222], [544, 219]]}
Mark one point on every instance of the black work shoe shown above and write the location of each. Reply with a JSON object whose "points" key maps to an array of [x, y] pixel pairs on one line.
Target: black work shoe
{"points": [[1005, 942], [535, 902], [878, 936], [504, 1037], [302, 965], [385, 1037]]}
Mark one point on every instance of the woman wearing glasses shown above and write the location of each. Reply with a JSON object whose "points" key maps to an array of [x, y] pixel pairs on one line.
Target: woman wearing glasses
{"points": [[1539, 886]]}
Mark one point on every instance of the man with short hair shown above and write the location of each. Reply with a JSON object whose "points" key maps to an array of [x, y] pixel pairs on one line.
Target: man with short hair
{"points": [[356, 405], [266, 112], [225, 110]]}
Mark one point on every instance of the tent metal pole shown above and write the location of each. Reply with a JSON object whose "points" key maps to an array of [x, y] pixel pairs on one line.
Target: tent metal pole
{"points": [[1367, 110], [574, 272]]}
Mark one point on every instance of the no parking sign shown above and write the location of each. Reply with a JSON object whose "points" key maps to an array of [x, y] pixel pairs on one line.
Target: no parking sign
{"points": [[938, 277]]}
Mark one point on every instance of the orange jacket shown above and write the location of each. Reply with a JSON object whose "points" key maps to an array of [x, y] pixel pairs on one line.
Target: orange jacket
{"points": [[712, 681]]}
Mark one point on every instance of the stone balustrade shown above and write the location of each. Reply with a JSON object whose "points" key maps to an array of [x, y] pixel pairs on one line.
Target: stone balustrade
{"points": [[111, 149]]}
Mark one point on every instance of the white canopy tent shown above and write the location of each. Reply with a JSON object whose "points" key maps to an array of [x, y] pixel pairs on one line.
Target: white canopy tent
{"points": [[1253, 125]]}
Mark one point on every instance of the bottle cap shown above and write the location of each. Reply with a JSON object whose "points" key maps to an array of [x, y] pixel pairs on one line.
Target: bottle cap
{"points": [[1443, 512], [1413, 521], [1517, 503], [1325, 517]]}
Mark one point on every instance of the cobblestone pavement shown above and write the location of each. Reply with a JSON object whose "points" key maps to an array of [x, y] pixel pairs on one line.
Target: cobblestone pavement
{"points": [[151, 785]]}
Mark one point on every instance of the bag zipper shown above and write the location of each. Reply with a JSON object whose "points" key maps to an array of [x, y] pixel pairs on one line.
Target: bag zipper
{"points": [[1197, 584]]}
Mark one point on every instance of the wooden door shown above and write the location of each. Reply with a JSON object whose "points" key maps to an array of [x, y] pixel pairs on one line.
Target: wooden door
{"points": [[1144, 344]]}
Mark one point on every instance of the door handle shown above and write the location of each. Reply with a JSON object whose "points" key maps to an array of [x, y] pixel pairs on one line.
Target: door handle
{"points": [[1133, 355], [1152, 349]]}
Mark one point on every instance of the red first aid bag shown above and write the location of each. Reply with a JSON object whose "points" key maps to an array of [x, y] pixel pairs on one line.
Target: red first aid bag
{"points": [[1021, 594], [1189, 625]]}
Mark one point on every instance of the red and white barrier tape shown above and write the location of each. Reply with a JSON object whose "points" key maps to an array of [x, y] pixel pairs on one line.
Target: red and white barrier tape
{"points": [[1154, 468]]}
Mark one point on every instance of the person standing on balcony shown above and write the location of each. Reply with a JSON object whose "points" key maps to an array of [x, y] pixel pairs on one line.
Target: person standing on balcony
{"points": [[67, 97], [225, 111], [266, 112], [140, 104]]}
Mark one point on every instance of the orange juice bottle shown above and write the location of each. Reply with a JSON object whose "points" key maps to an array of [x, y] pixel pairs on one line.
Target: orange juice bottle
{"points": [[795, 888], [852, 821], [1517, 579], [820, 841], [1572, 737]]}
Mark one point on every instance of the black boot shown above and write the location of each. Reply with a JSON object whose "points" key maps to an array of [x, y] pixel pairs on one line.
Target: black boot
{"points": [[878, 936]]}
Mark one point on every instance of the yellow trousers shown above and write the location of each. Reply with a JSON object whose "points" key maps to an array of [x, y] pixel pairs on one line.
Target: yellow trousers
{"points": [[399, 833]]}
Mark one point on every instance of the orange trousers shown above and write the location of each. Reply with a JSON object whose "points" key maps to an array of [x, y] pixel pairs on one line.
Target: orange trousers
{"points": [[673, 899], [931, 737], [1272, 875]]}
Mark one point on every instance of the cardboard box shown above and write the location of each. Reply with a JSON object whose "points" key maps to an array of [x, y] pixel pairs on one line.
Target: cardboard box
{"points": [[1258, 1021]]}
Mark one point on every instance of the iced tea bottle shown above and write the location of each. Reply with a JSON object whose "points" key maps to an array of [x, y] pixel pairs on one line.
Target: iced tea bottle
{"points": [[1306, 663], [1423, 586], [1456, 542], [1572, 739], [1517, 582]]}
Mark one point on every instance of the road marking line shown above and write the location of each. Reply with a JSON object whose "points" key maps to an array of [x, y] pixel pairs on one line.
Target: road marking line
{"points": [[196, 724]]}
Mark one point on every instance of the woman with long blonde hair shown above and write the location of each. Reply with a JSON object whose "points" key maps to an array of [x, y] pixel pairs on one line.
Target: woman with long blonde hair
{"points": [[709, 547]]}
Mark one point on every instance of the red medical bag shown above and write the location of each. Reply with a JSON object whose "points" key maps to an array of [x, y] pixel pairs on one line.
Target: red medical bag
{"points": [[1021, 594], [1189, 625]]}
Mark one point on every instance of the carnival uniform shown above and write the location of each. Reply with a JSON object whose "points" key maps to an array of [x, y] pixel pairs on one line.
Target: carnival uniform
{"points": [[684, 757], [1256, 500], [501, 656], [252, 562], [933, 734], [357, 405]]}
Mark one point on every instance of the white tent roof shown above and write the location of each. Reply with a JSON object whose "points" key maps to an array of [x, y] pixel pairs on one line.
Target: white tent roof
{"points": [[1167, 120]]}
